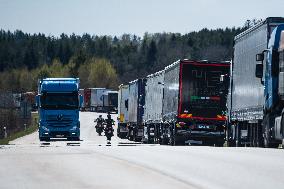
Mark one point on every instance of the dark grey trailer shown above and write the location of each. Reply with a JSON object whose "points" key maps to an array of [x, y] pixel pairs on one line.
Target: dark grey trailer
{"points": [[110, 101], [136, 104]]}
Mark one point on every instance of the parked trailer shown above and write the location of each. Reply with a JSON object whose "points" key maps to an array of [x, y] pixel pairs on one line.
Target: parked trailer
{"points": [[87, 99], [254, 111], [136, 109], [123, 95], [152, 118], [110, 101], [194, 103], [97, 103], [81, 92]]}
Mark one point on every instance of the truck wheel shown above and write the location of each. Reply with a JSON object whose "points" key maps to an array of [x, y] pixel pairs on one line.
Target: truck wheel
{"points": [[219, 144], [73, 138], [46, 139], [172, 140], [118, 133], [267, 142], [163, 141]]}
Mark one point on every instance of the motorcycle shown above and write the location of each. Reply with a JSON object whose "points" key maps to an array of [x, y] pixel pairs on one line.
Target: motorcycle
{"points": [[109, 133], [99, 128]]}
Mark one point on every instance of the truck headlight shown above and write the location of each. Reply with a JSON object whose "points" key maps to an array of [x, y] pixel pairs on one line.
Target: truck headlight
{"points": [[44, 128], [74, 128]]}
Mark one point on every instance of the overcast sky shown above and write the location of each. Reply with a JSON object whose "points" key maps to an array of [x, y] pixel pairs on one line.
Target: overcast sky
{"points": [[115, 17]]}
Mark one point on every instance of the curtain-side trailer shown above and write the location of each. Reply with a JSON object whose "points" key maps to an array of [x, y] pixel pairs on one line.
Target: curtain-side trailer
{"points": [[152, 117], [247, 99]]}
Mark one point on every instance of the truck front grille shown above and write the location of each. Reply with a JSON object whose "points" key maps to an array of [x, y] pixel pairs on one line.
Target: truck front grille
{"points": [[60, 121]]}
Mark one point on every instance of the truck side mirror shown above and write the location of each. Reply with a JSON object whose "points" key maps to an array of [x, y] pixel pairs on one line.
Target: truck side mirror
{"points": [[259, 57], [80, 100], [259, 70], [37, 97]]}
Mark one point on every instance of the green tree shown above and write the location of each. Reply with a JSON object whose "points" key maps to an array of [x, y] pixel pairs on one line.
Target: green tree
{"points": [[102, 74]]}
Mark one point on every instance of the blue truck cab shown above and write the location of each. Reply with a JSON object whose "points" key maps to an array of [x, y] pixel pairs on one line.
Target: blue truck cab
{"points": [[59, 102], [272, 65]]}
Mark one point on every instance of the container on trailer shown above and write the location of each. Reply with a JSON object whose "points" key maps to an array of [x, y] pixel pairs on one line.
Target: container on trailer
{"points": [[81, 92], [110, 101], [123, 95], [87, 99], [247, 100], [247, 90], [97, 98], [153, 98], [194, 103], [153, 106], [136, 108]]}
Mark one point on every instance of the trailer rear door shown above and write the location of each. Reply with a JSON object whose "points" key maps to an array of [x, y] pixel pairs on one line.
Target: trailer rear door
{"points": [[202, 95]]}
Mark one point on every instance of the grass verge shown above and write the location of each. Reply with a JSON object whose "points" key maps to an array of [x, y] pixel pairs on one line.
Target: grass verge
{"points": [[32, 128]]}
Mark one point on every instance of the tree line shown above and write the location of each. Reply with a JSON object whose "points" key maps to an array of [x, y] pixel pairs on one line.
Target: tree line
{"points": [[103, 61]]}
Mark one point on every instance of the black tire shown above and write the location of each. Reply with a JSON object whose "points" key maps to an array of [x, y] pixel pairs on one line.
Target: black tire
{"points": [[172, 141], [45, 139], [266, 140], [163, 141], [129, 135], [219, 144], [73, 139], [76, 138]]}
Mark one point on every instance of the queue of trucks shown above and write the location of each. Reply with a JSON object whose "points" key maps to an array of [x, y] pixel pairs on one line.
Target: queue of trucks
{"points": [[240, 102], [99, 100], [206, 102], [183, 104]]}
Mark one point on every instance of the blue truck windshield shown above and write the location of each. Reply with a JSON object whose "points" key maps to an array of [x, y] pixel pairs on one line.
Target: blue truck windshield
{"points": [[59, 101]]}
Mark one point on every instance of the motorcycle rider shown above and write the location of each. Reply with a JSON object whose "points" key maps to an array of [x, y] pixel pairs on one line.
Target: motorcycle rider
{"points": [[108, 128], [99, 126]]}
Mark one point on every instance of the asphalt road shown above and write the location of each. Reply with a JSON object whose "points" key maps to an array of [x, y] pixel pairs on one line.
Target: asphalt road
{"points": [[27, 163]]}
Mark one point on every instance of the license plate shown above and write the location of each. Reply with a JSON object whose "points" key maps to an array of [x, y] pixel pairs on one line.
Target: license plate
{"points": [[204, 126], [123, 129], [58, 136], [244, 133]]}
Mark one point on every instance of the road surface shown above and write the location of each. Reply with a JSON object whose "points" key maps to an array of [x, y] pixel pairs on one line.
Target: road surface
{"points": [[27, 163]]}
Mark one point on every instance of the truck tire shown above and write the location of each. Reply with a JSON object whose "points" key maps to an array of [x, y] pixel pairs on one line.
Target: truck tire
{"points": [[130, 134], [172, 141], [266, 139], [118, 133], [73, 139], [45, 139]]}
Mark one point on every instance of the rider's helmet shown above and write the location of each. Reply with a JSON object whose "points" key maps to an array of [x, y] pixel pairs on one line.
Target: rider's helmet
{"points": [[108, 116], [100, 116]]}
